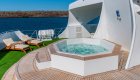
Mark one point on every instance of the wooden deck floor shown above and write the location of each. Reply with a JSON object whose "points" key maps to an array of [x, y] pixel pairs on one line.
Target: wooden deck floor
{"points": [[53, 74]]}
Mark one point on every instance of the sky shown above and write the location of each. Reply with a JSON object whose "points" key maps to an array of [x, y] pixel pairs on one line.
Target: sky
{"points": [[33, 5]]}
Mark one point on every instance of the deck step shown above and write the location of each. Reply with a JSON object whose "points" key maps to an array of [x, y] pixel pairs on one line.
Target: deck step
{"points": [[25, 65], [28, 63], [10, 74], [43, 55]]}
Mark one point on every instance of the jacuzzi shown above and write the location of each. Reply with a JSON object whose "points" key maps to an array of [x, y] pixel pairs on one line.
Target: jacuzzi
{"points": [[84, 47], [82, 64]]}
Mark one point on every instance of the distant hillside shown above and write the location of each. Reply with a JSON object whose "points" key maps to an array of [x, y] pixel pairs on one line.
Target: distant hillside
{"points": [[33, 14]]}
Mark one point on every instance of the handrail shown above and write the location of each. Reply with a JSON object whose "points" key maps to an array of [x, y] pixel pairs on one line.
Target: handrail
{"points": [[17, 71], [31, 33], [34, 33]]}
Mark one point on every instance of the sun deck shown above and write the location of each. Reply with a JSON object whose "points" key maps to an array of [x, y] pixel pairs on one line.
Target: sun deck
{"points": [[53, 74], [37, 64], [28, 71]]}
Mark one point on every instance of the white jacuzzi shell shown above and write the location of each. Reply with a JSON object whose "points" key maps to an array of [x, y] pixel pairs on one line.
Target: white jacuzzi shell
{"points": [[85, 67]]}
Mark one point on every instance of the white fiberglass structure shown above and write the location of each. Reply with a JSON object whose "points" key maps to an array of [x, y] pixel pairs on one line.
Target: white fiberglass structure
{"points": [[116, 21], [86, 64]]}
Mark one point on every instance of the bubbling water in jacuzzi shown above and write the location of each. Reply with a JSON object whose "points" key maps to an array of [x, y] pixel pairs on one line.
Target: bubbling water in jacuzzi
{"points": [[81, 48]]}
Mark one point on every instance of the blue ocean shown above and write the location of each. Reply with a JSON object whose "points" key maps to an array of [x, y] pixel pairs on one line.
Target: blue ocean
{"points": [[32, 24]]}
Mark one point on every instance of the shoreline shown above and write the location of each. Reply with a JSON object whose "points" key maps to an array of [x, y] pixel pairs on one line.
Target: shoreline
{"points": [[32, 14], [37, 17]]}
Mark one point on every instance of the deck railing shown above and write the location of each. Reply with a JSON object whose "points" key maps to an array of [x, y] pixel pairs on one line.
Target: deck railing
{"points": [[34, 33], [31, 33]]}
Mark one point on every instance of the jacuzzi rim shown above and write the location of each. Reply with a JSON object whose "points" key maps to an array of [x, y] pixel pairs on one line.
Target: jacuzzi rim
{"points": [[85, 57]]}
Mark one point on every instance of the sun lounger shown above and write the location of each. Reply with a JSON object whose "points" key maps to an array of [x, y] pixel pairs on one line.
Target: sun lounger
{"points": [[28, 40], [11, 45], [32, 41]]}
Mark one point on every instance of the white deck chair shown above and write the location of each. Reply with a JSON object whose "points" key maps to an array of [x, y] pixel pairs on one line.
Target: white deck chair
{"points": [[11, 45], [46, 34], [28, 40]]}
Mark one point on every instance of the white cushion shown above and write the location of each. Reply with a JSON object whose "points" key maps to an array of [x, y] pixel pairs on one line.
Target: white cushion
{"points": [[8, 41], [25, 38], [35, 41], [21, 46], [22, 36]]}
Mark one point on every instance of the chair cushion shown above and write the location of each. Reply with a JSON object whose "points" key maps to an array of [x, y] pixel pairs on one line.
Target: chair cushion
{"points": [[8, 41], [35, 41], [25, 38], [21, 46]]}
